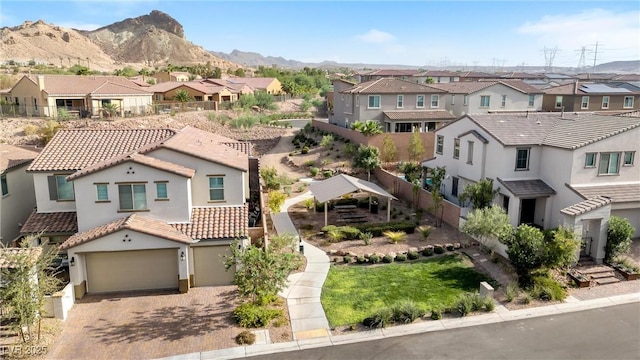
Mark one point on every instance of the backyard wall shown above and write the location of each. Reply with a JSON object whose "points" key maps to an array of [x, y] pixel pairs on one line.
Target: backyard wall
{"points": [[59, 304], [404, 190], [401, 140]]}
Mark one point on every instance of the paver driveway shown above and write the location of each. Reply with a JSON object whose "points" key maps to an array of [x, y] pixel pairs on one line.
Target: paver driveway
{"points": [[145, 325]]}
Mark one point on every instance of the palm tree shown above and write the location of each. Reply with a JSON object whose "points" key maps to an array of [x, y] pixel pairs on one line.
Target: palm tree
{"points": [[480, 194], [182, 96], [110, 109], [367, 128]]}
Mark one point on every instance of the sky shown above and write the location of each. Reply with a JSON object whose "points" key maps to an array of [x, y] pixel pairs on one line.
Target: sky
{"points": [[416, 33]]}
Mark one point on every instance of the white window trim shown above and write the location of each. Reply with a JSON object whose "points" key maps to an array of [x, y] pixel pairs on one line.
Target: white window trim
{"points": [[453, 99], [437, 97], [595, 157], [620, 161], [532, 100], [438, 138], [624, 158], [210, 188], [470, 152], [503, 101], [133, 197], [400, 101], [607, 102], [488, 105], [456, 148], [97, 192], [582, 103], [424, 99], [369, 102], [624, 102], [526, 168], [558, 104]]}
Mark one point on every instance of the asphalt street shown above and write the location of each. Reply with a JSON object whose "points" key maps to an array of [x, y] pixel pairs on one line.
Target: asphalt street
{"points": [[604, 333]]}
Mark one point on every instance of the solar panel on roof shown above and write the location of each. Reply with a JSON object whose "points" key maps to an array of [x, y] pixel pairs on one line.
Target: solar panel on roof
{"points": [[602, 88]]}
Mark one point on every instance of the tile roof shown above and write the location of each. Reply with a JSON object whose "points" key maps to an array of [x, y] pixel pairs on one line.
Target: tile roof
{"points": [[220, 222], [133, 222], [83, 85], [391, 86], [138, 159], [200, 86], [256, 83], [618, 193], [71, 150], [58, 222], [586, 206], [12, 156], [476, 74], [527, 188], [242, 146], [571, 132], [587, 88], [390, 72], [12, 257], [208, 146], [470, 87], [419, 115], [437, 73]]}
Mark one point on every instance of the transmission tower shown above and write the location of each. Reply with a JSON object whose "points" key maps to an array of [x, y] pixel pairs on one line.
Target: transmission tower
{"points": [[549, 55], [582, 63]]}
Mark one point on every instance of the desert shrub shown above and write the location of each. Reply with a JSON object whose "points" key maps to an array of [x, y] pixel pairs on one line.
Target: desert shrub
{"points": [[374, 259], [346, 232], [335, 235], [488, 304], [379, 319], [309, 163], [270, 177], [366, 237], [314, 171], [406, 312], [327, 174], [438, 249], [526, 298], [63, 114], [401, 257], [387, 259], [413, 255], [428, 250], [395, 236], [305, 150], [250, 315], [308, 203], [464, 305], [276, 200], [30, 130], [547, 289], [246, 338], [425, 231], [48, 130], [511, 292], [436, 314], [361, 260], [347, 259], [377, 229]]}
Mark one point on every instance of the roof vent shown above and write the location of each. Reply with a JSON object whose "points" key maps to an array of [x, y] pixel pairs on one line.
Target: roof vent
{"points": [[538, 122]]}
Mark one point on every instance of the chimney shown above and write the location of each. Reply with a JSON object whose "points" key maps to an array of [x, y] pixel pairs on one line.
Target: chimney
{"points": [[41, 82], [575, 87]]}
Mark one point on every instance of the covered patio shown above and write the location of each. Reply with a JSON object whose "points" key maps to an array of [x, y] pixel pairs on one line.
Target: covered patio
{"points": [[340, 185]]}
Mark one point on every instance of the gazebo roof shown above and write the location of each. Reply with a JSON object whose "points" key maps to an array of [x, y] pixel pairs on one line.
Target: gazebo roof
{"points": [[342, 184]]}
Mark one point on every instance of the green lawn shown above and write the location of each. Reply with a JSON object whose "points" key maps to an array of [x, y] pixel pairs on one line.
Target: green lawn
{"points": [[351, 293]]}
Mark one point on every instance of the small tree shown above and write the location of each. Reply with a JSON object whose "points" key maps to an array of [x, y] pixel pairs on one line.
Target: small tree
{"points": [[367, 128], [561, 249], [270, 177], [412, 171], [389, 152], [327, 141], [526, 251], [618, 237], [367, 158], [480, 194], [416, 149], [487, 223], [182, 95], [276, 200], [264, 100], [110, 109]]}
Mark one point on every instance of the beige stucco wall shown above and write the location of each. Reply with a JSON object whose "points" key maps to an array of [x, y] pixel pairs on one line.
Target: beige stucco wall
{"points": [[92, 213], [17, 205]]}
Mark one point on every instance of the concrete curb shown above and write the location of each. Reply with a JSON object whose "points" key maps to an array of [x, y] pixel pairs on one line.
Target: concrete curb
{"points": [[415, 328]]}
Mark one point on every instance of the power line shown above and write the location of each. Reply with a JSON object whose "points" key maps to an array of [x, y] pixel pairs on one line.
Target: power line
{"points": [[549, 56]]}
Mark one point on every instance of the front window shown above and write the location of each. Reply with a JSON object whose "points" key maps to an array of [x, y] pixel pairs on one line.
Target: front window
{"points": [[628, 102], [532, 100], [522, 159], [470, 152], [558, 102], [456, 148], [161, 191], [584, 104], [132, 196], [439, 144], [5, 187], [102, 192], [420, 101], [435, 101], [590, 160], [605, 102], [65, 188], [628, 158], [465, 100], [485, 100], [216, 188], [609, 163], [400, 102], [404, 127], [503, 101], [374, 101]]}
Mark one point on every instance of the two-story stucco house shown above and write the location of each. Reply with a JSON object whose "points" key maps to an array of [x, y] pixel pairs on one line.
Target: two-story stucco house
{"points": [[18, 197], [482, 97], [544, 162], [583, 96], [43, 95], [151, 208], [398, 105]]}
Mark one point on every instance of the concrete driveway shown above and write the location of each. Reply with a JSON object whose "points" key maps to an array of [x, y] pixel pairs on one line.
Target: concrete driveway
{"points": [[145, 325]]}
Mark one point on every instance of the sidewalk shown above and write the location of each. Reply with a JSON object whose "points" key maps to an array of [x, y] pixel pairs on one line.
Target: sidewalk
{"points": [[308, 319]]}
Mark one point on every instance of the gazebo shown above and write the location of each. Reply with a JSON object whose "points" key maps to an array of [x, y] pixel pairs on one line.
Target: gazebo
{"points": [[342, 184]]}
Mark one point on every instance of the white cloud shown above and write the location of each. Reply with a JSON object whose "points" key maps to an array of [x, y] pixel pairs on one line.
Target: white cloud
{"points": [[616, 33], [376, 37]]}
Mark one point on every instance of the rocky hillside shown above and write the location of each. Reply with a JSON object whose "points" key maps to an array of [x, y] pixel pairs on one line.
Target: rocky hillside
{"points": [[150, 40]]}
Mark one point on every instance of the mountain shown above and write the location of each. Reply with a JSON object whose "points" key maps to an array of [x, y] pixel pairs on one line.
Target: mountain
{"points": [[150, 40]]}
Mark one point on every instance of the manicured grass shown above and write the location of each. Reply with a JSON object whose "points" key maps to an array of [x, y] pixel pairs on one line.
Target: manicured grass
{"points": [[351, 293]]}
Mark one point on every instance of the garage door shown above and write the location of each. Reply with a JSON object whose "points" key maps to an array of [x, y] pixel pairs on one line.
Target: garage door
{"points": [[208, 266], [132, 270]]}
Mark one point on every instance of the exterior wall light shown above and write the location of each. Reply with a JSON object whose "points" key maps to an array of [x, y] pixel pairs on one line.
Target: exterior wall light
{"points": [[182, 257], [72, 262]]}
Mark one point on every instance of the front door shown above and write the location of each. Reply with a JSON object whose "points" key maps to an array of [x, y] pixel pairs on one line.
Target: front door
{"points": [[527, 211]]}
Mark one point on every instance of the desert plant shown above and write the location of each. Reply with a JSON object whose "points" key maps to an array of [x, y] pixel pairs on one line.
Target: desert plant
{"points": [[406, 312], [511, 292], [367, 128], [63, 114], [480, 194], [335, 235], [389, 152], [413, 255], [314, 171], [250, 315], [618, 237], [547, 289], [438, 249], [308, 203], [366, 237], [309, 163], [395, 236], [526, 298], [305, 150], [246, 337], [347, 259], [436, 314], [387, 259], [464, 305], [270, 177], [361, 260], [428, 250], [401, 257], [276, 200], [374, 259], [379, 319], [425, 231], [416, 149]]}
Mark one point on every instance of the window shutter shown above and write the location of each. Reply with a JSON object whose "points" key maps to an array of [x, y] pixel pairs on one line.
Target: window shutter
{"points": [[53, 188]]}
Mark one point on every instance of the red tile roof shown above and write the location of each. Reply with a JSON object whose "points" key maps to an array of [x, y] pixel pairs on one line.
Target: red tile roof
{"points": [[132, 222], [12, 156], [391, 86], [83, 85], [138, 159], [219, 222], [58, 222]]}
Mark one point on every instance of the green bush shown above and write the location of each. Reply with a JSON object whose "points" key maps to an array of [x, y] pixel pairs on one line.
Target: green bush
{"points": [[406, 312], [361, 260], [347, 201], [320, 206], [428, 250], [314, 171], [449, 247], [425, 231], [250, 315], [618, 237], [401, 257], [374, 259], [246, 338], [347, 259], [387, 259], [464, 306], [438, 249], [379, 319], [347, 232], [436, 314], [366, 237], [327, 174], [511, 292], [305, 150], [547, 289], [377, 229], [413, 255], [309, 163], [526, 298]]}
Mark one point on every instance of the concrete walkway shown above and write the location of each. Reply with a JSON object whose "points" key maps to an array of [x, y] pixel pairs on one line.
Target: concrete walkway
{"points": [[308, 319]]}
